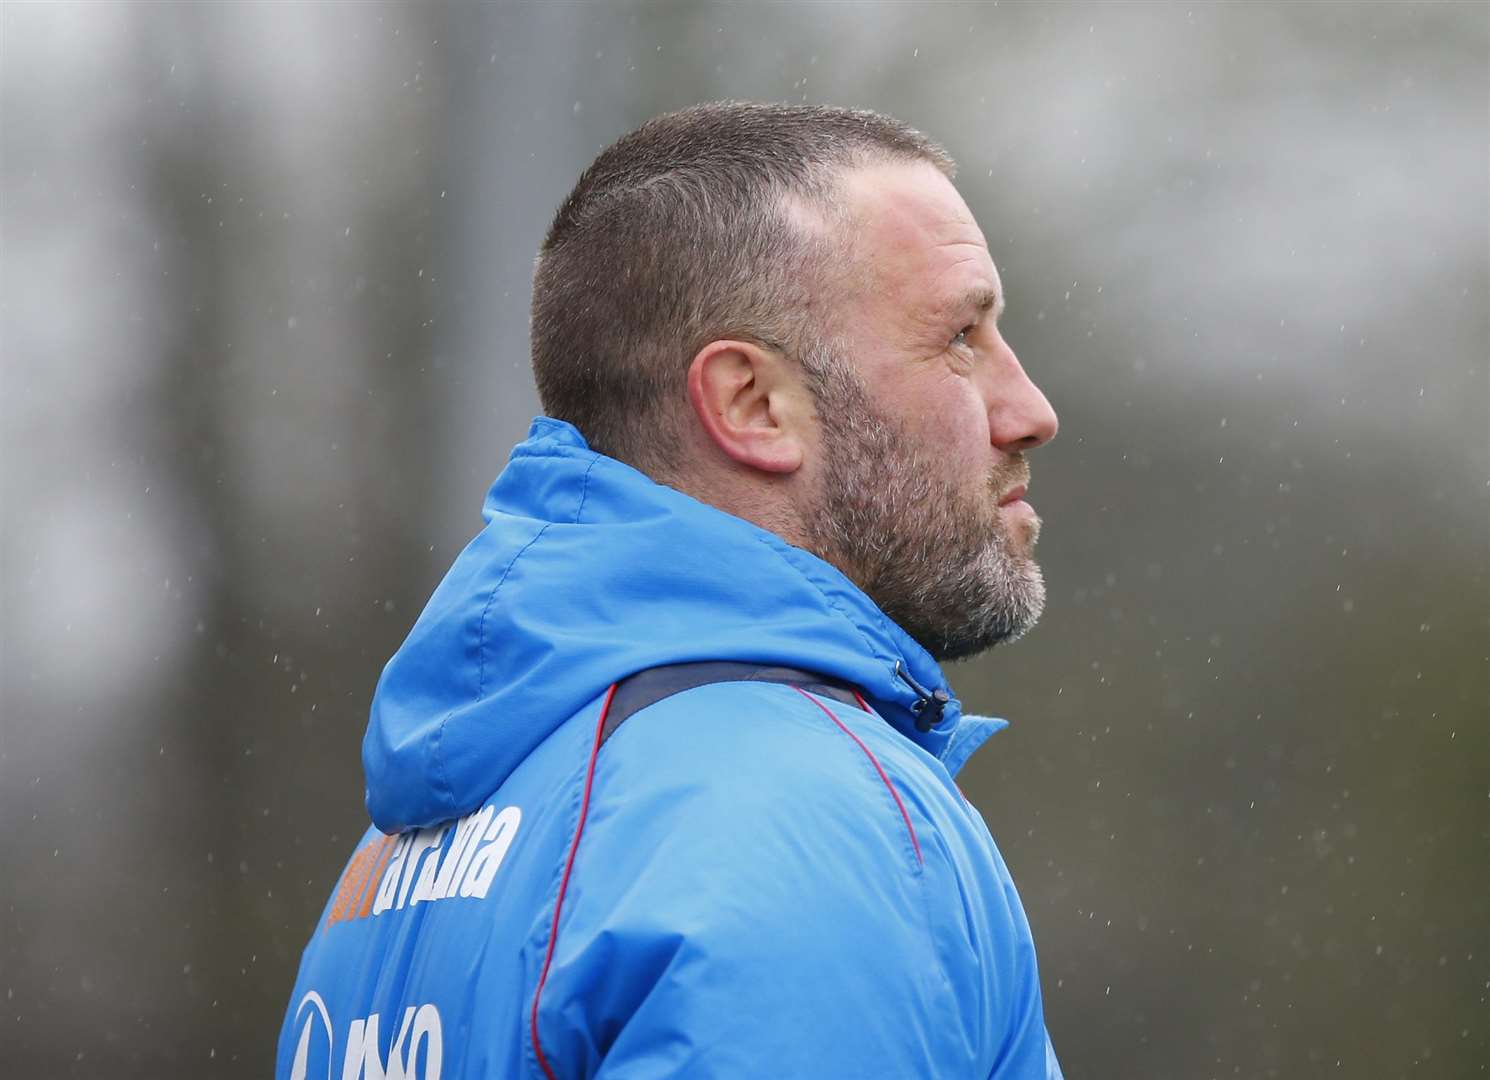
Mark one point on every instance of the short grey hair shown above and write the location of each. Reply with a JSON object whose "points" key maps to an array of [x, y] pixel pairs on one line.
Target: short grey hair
{"points": [[686, 231]]}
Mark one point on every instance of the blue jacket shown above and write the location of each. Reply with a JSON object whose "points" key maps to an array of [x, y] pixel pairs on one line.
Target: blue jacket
{"points": [[745, 879]]}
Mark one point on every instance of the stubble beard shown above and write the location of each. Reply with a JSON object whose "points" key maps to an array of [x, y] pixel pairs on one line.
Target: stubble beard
{"points": [[938, 559]]}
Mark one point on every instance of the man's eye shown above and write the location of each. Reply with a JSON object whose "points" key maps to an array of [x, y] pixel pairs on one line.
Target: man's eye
{"points": [[961, 338]]}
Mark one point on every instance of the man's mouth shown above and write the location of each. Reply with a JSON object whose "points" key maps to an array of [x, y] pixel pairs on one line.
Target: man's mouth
{"points": [[1014, 494]]}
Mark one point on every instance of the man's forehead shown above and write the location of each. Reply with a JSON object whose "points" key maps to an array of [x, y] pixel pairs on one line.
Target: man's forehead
{"points": [[909, 200], [909, 216]]}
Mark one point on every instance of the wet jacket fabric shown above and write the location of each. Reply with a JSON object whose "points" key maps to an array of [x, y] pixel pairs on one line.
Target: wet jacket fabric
{"points": [[744, 879]]}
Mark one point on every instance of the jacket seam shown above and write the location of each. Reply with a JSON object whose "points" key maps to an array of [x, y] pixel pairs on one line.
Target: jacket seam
{"points": [[938, 851], [880, 779], [933, 848], [439, 760], [545, 920], [436, 754], [486, 609], [583, 781], [584, 489]]}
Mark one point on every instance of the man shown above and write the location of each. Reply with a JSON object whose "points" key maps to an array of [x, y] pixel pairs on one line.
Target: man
{"points": [[662, 777]]}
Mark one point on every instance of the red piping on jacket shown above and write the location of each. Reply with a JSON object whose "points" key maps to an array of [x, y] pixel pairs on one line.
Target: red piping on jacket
{"points": [[873, 761], [584, 809], [553, 932]]}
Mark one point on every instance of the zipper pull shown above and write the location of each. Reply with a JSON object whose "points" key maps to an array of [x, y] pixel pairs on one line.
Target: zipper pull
{"points": [[928, 706]]}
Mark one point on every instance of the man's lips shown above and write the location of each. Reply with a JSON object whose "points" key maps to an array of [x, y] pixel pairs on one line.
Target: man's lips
{"points": [[1014, 495]]}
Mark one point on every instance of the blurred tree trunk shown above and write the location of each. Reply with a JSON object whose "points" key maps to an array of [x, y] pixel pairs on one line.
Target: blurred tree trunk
{"points": [[275, 694]]}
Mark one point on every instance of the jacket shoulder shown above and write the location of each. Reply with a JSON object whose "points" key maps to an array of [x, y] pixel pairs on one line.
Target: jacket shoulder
{"points": [[743, 864], [791, 764], [744, 835]]}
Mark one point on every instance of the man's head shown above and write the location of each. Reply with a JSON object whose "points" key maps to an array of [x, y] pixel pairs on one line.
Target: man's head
{"points": [[790, 313]]}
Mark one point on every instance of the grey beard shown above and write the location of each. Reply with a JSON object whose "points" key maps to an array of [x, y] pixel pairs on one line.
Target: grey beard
{"points": [[935, 560]]}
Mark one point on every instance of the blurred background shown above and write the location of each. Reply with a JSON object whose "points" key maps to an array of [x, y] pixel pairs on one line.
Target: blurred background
{"points": [[265, 285]]}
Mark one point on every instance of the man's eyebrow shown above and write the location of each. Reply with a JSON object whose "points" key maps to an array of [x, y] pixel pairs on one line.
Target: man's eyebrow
{"points": [[982, 299]]}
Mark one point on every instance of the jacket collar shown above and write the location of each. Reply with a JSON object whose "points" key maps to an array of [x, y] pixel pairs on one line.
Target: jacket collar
{"points": [[587, 571]]}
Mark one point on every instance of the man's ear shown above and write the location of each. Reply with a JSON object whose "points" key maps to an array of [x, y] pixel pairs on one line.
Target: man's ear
{"points": [[751, 403]]}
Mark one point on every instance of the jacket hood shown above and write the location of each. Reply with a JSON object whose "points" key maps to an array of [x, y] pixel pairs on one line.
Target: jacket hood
{"points": [[588, 571]]}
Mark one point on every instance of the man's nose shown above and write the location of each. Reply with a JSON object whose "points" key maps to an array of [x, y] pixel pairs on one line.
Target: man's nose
{"points": [[1019, 418]]}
